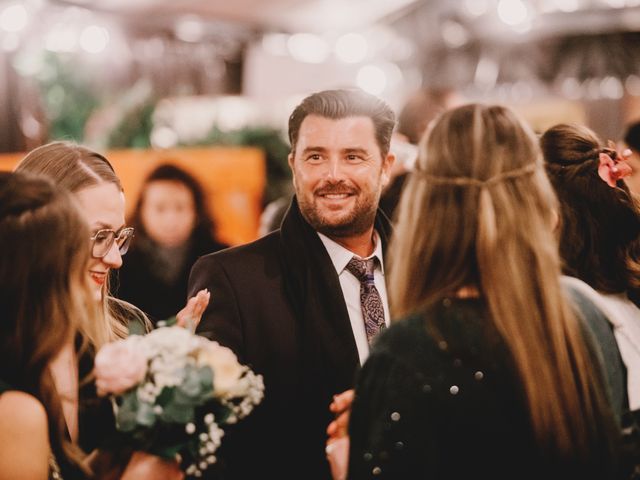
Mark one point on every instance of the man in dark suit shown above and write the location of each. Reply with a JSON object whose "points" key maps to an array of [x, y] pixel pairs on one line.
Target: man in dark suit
{"points": [[291, 305]]}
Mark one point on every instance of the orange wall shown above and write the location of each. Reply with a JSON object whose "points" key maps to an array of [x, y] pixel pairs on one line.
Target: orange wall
{"points": [[233, 178]]}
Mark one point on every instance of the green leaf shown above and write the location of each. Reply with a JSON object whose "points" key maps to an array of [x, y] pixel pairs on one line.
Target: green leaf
{"points": [[165, 397], [126, 414], [196, 387], [205, 376], [145, 415], [137, 327], [178, 413], [168, 322]]}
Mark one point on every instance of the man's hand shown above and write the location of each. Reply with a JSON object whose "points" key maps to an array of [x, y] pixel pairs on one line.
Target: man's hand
{"points": [[338, 443], [341, 407], [189, 317], [338, 457]]}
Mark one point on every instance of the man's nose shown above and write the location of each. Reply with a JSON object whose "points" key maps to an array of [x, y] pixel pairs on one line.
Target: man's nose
{"points": [[335, 169]]}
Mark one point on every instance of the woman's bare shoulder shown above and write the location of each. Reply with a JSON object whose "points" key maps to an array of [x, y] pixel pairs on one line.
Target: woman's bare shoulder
{"points": [[21, 408], [24, 437]]}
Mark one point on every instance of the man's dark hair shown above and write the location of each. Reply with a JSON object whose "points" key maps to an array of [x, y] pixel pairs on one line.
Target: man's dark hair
{"points": [[337, 104]]}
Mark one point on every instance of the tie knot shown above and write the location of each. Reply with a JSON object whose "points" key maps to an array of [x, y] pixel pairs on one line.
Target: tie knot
{"points": [[362, 269]]}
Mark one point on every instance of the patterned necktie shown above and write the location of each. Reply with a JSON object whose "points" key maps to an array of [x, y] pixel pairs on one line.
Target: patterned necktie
{"points": [[370, 300]]}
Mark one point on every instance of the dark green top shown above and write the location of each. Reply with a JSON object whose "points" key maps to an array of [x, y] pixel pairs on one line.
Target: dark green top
{"points": [[439, 398], [598, 328]]}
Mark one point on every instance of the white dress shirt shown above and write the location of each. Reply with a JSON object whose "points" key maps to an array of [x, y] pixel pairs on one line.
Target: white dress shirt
{"points": [[340, 256]]}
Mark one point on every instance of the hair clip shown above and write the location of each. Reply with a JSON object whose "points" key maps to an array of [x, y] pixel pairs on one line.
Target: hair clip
{"points": [[611, 170]]}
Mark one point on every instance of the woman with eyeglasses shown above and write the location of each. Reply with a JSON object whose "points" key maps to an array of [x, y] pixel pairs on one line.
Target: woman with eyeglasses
{"points": [[98, 191]]}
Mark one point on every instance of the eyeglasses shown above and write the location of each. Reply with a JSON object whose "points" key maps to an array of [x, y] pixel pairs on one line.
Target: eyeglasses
{"points": [[103, 241]]}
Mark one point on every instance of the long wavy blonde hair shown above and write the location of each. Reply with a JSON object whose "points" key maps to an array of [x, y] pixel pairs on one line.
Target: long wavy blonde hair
{"points": [[480, 212], [74, 168]]}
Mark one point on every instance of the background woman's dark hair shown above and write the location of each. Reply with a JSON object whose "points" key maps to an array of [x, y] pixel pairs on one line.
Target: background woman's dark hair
{"points": [[632, 137], [599, 225], [172, 173], [43, 290]]}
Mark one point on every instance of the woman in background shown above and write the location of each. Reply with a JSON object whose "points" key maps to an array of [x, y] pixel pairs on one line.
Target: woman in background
{"points": [[44, 298], [173, 229], [599, 233], [488, 373]]}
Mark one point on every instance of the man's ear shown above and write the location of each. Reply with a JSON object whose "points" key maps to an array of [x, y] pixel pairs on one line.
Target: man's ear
{"points": [[387, 166], [290, 160]]}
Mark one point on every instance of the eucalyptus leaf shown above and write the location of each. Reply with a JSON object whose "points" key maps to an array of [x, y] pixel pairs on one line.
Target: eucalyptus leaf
{"points": [[168, 322], [145, 415], [189, 390], [137, 327], [177, 412], [126, 412], [165, 397], [205, 375]]}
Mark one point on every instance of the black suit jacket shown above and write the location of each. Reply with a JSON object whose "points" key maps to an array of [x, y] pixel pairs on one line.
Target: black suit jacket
{"points": [[278, 304]]}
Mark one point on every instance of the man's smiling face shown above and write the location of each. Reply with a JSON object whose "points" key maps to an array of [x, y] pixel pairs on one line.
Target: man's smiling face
{"points": [[338, 174]]}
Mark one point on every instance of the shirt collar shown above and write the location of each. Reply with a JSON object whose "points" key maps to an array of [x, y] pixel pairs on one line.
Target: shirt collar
{"points": [[340, 256]]}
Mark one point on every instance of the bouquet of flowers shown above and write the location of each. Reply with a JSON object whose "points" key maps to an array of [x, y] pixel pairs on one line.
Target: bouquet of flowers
{"points": [[172, 391]]}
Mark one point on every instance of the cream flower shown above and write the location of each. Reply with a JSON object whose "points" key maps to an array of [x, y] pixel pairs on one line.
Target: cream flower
{"points": [[226, 369]]}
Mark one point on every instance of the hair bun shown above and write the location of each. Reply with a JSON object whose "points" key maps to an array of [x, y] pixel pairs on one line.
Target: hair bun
{"points": [[34, 192]]}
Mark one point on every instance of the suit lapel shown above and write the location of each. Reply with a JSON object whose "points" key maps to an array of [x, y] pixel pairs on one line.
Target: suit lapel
{"points": [[329, 349], [314, 290]]}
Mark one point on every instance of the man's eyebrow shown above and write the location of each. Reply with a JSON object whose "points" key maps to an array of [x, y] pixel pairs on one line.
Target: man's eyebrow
{"points": [[360, 150], [314, 149]]}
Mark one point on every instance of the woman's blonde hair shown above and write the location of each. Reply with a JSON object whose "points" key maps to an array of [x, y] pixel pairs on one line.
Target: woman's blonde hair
{"points": [[479, 211], [74, 168]]}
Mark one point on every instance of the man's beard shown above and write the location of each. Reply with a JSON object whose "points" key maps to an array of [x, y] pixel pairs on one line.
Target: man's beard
{"points": [[358, 220]]}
